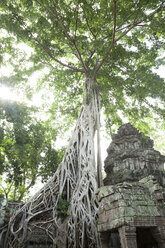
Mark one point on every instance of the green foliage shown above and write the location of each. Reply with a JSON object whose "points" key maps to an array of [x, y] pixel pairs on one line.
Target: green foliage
{"points": [[24, 139], [52, 158], [62, 207]]}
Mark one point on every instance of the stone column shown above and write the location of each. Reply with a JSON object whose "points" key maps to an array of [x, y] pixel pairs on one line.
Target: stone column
{"points": [[159, 235], [128, 237]]}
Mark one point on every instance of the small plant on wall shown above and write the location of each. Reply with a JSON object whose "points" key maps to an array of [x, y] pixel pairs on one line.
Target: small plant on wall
{"points": [[62, 207]]}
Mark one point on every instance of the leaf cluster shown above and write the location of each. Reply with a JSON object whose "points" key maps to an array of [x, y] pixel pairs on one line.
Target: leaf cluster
{"points": [[26, 150], [62, 207]]}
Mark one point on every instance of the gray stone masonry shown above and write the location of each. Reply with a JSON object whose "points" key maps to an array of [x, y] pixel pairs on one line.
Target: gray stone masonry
{"points": [[132, 202]]}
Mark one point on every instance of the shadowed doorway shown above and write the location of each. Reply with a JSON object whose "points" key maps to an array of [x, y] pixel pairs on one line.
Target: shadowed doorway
{"points": [[145, 238]]}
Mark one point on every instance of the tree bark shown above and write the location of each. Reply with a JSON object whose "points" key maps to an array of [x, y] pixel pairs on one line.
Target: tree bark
{"points": [[75, 182]]}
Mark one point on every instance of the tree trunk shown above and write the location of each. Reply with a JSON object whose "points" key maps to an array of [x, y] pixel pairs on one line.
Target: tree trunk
{"points": [[73, 184]]}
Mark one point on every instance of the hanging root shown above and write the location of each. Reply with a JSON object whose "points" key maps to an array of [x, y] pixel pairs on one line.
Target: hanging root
{"points": [[65, 209]]}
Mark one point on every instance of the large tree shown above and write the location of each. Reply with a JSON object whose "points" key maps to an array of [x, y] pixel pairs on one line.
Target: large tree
{"points": [[105, 52]]}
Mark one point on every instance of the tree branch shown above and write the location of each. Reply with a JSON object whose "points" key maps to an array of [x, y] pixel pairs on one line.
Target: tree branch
{"points": [[137, 12], [94, 35], [47, 51], [55, 14], [76, 24], [130, 27], [66, 33], [58, 61], [125, 32], [27, 188], [59, 22], [113, 38], [135, 24], [91, 55], [127, 26], [135, 19], [80, 57], [154, 12]]}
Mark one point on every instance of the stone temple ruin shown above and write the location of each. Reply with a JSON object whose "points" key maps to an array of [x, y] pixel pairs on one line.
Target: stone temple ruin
{"points": [[132, 202]]}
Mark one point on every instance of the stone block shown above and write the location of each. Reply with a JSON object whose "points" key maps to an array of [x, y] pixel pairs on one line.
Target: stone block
{"points": [[103, 218], [105, 191]]}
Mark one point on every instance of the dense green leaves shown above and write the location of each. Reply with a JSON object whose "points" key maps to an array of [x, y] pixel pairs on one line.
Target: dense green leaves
{"points": [[62, 29], [26, 150]]}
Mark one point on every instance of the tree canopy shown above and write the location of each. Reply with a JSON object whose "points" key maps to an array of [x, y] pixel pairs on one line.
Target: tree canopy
{"points": [[117, 42]]}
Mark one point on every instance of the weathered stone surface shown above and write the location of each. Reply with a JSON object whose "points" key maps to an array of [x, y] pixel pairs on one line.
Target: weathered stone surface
{"points": [[131, 157], [39, 239], [126, 202]]}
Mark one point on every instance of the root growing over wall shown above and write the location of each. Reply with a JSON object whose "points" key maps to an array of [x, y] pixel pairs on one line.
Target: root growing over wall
{"points": [[73, 186]]}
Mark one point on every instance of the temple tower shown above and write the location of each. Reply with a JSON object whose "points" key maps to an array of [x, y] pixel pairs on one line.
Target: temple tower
{"points": [[132, 202]]}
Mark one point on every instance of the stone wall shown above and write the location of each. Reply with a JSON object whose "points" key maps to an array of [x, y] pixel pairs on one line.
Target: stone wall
{"points": [[121, 204], [132, 202]]}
